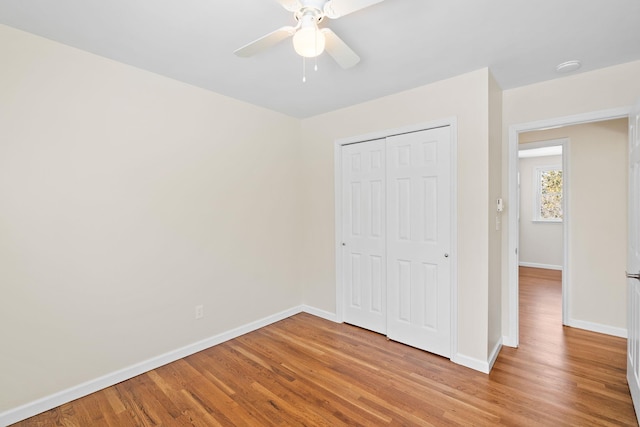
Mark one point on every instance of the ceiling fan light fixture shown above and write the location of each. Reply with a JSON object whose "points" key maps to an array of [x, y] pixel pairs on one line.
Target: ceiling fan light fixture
{"points": [[308, 41]]}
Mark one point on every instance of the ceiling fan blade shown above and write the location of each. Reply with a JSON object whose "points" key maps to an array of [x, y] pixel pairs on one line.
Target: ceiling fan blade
{"points": [[265, 42], [339, 51], [290, 5], [338, 8]]}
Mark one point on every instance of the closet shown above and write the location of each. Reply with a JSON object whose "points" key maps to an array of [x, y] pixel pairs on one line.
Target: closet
{"points": [[396, 237]]}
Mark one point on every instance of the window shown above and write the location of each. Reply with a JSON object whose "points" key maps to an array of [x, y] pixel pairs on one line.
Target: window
{"points": [[548, 197]]}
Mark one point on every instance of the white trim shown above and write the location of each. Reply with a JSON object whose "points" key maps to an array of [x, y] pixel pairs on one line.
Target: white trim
{"points": [[381, 134], [554, 150], [477, 364], [538, 265], [493, 356], [44, 404], [543, 144], [512, 336], [472, 363], [634, 390], [320, 313], [566, 230], [508, 342], [632, 261], [452, 123], [337, 185], [597, 327]]}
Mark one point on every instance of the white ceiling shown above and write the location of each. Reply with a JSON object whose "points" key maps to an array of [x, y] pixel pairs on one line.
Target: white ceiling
{"points": [[403, 43]]}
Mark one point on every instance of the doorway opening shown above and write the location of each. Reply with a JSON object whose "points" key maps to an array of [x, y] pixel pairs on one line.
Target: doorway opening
{"points": [[548, 130], [542, 215], [543, 174]]}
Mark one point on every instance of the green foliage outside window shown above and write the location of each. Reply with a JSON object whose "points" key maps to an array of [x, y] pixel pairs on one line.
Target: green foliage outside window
{"points": [[551, 195]]}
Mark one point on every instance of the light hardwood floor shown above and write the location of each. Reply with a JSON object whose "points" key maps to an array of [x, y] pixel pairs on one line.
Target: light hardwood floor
{"points": [[308, 371]]}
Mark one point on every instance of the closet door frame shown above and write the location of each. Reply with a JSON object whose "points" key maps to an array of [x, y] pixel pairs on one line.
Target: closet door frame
{"points": [[451, 122]]}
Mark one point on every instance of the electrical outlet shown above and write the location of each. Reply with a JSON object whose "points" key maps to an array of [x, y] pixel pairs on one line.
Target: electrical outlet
{"points": [[199, 311]]}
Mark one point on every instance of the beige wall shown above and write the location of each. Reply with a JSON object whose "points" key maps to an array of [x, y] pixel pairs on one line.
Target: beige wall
{"points": [[597, 192], [608, 88], [495, 218], [603, 89], [130, 198], [540, 242], [465, 97], [127, 199]]}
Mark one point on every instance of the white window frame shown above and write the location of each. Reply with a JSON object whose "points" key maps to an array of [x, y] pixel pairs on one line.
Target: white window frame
{"points": [[537, 194]]}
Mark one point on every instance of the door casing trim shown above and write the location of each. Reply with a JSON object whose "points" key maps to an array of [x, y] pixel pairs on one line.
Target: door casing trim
{"points": [[511, 338]]}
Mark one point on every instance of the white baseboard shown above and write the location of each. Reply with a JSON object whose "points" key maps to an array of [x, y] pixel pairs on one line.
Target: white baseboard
{"points": [[44, 404], [509, 341], [597, 327], [471, 362], [538, 265], [320, 313], [483, 366], [494, 354]]}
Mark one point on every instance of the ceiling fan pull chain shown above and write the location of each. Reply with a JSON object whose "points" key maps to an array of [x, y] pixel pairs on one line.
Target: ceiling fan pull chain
{"points": [[315, 58], [304, 70]]}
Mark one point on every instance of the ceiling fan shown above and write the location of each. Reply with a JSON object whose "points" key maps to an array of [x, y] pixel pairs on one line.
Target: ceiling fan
{"points": [[308, 40]]}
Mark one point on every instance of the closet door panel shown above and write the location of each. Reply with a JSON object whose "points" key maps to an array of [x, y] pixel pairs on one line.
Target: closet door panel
{"points": [[364, 227], [418, 240]]}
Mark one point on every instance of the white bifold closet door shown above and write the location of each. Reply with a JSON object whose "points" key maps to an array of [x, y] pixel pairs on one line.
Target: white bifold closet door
{"points": [[364, 221], [397, 236]]}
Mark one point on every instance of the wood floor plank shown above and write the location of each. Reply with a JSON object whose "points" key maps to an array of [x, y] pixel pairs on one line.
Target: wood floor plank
{"points": [[305, 371]]}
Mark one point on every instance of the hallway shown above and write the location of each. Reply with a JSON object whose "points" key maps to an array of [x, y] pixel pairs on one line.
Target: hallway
{"points": [[580, 374]]}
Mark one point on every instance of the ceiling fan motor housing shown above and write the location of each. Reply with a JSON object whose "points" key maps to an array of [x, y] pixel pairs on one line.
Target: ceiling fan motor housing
{"points": [[311, 10]]}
